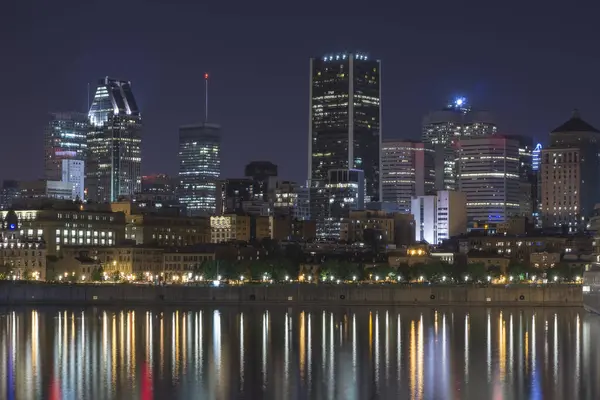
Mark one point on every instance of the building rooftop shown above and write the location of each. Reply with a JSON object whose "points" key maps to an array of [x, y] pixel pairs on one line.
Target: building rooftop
{"points": [[576, 124]]}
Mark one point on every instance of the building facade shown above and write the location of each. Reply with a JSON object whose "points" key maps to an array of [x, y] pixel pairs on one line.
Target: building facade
{"points": [[114, 143], [345, 192], [439, 217], [199, 167], [570, 175], [73, 173], [344, 124], [443, 128], [21, 257], [488, 174], [407, 170], [65, 138], [42, 189]]}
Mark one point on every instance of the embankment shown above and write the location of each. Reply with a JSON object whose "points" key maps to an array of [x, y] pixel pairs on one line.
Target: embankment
{"points": [[12, 293]]}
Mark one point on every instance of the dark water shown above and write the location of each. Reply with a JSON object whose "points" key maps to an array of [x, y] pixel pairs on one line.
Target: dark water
{"points": [[281, 353]]}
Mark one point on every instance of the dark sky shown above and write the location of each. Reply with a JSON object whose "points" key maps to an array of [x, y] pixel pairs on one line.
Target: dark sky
{"points": [[530, 64]]}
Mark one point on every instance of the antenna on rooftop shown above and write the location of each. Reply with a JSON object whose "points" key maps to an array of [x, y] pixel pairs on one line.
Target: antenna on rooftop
{"points": [[206, 97]]}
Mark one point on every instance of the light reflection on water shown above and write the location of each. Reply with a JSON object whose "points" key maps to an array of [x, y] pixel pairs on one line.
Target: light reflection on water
{"points": [[296, 353]]}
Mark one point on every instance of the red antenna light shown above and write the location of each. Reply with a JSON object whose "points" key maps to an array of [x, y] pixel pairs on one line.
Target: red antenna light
{"points": [[206, 75]]}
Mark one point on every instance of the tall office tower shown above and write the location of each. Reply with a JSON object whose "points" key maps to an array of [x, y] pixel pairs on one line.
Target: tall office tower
{"points": [[439, 216], [536, 162], [264, 176], [291, 199], [199, 167], [73, 172], [65, 138], [527, 176], [442, 129], [344, 124], [345, 191], [114, 143], [407, 170], [488, 174], [570, 175]]}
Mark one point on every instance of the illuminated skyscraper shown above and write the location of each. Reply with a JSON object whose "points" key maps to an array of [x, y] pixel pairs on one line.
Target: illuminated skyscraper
{"points": [[199, 167], [344, 124], [442, 129], [488, 174], [65, 138], [114, 143]]}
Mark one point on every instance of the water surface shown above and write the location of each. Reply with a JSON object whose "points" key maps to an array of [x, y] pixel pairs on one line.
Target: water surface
{"points": [[299, 353]]}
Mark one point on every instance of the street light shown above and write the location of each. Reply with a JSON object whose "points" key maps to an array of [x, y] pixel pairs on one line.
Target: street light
{"points": [[354, 278], [443, 278], [489, 278], [376, 277], [466, 278], [287, 278]]}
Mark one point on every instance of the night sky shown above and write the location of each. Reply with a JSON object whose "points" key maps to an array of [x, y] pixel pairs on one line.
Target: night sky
{"points": [[529, 64]]}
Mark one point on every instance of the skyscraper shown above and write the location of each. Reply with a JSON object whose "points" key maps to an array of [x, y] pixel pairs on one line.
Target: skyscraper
{"points": [[528, 186], [344, 124], [443, 128], [488, 174], [114, 143], [65, 138], [199, 167], [406, 170], [570, 171]]}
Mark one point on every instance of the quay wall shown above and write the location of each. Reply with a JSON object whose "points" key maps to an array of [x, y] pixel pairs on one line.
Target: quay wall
{"points": [[16, 293]]}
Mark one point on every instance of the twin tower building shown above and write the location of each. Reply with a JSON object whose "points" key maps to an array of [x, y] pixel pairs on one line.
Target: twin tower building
{"points": [[352, 167]]}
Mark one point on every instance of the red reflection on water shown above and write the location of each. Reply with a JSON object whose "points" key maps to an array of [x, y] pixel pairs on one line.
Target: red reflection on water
{"points": [[54, 390], [147, 390]]}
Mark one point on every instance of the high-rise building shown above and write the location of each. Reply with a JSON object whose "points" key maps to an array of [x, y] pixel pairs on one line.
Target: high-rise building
{"points": [[65, 138], [291, 199], [488, 174], [345, 191], [570, 175], [528, 184], [440, 216], [232, 194], [73, 172], [344, 123], [114, 143], [264, 177], [442, 129], [199, 167], [406, 170]]}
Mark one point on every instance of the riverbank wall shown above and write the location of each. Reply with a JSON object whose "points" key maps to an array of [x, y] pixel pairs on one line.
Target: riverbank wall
{"points": [[17, 293]]}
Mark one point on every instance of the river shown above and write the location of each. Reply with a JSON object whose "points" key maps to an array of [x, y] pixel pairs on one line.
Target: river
{"points": [[299, 353]]}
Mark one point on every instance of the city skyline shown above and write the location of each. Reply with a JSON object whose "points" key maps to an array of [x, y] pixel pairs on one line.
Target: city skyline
{"points": [[528, 96]]}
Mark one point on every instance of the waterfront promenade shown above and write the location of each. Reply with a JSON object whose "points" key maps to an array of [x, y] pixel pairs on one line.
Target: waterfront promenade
{"points": [[16, 293]]}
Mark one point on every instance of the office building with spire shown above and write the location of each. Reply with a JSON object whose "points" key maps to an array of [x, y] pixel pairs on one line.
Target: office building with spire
{"points": [[344, 127], [441, 131], [114, 141], [199, 164]]}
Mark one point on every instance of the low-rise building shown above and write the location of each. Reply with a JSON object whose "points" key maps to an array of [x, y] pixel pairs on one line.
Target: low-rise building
{"points": [[20, 257], [69, 224], [128, 259], [544, 260], [185, 261], [164, 229]]}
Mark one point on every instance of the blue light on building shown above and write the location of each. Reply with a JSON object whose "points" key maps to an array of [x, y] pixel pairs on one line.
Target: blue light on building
{"points": [[535, 163]]}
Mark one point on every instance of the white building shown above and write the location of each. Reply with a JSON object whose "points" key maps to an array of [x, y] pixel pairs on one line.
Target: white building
{"points": [[46, 189], [73, 171], [440, 216], [488, 174]]}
